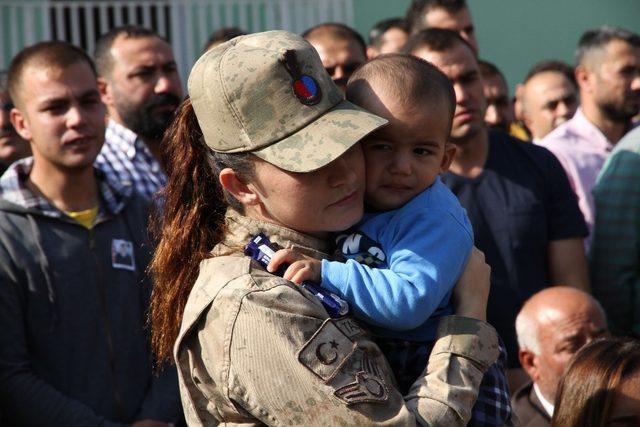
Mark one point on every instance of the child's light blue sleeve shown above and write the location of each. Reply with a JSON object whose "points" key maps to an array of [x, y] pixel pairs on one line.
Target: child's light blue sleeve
{"points": [[426, 255]]}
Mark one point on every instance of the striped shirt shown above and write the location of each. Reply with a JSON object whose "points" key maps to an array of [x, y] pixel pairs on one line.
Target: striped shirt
{"points": [[126, 158], [615, 252]]}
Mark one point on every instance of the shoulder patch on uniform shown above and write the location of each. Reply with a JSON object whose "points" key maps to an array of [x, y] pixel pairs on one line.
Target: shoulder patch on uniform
{"points": [[370, 366], [349, 327], [327, 350], [366, 388]]}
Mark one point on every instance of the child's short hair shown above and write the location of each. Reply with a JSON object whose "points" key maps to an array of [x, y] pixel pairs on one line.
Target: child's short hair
{"points": [[51, 54], [410, 80]]}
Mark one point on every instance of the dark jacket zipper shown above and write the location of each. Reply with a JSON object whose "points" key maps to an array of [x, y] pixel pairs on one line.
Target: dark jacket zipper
{"points": [[107, 326]]}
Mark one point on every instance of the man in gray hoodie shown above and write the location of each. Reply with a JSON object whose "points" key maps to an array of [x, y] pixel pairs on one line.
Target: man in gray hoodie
{"points": [[73, 252]]}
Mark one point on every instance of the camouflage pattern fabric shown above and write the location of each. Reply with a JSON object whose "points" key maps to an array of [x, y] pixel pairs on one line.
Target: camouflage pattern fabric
{"points": [[269, 94], [255, 349], [408, 358]]}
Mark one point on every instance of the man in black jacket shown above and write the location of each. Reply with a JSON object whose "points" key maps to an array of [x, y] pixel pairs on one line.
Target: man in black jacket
{"points": [[73, 345]]}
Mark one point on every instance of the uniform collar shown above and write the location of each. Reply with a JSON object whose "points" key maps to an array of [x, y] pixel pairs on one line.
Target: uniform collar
{"points": [[241, 229]]}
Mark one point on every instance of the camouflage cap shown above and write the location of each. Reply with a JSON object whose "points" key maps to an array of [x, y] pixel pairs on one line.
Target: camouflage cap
{"points": [[268, 93]]}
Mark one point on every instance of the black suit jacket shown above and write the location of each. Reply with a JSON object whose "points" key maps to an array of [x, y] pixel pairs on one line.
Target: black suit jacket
{"points": [[529, 409]]}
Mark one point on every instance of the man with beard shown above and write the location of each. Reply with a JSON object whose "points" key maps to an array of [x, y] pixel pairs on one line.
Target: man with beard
{"points": [[12, 147], [139, 83], [608, 76]]}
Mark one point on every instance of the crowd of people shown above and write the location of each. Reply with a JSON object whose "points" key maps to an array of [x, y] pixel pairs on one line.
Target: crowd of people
{"points": [[486, 246]]}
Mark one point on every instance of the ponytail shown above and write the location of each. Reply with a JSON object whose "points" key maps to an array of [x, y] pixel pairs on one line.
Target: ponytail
{"points": [[189, 225]]}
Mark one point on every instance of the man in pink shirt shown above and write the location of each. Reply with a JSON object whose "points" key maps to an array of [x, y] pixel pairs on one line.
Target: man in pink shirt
{"points": [[608, 76]]}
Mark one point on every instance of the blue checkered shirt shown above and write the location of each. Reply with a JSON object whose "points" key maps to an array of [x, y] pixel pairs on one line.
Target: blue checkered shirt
{"points": [[127, 159], [493, 406]]}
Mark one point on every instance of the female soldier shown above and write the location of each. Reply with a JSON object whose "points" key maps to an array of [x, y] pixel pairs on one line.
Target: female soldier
{"points": [[267, 131]]}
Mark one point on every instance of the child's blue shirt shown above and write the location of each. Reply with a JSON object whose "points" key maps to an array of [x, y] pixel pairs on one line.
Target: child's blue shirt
{"points": [[417, 254]]}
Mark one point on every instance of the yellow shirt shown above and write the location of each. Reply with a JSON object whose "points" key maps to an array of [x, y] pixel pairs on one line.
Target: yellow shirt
{"points": [[519, 132], [85, 217]]}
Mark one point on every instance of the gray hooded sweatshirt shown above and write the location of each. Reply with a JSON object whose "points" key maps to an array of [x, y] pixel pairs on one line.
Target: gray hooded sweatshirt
{"points": [[74, 347]]}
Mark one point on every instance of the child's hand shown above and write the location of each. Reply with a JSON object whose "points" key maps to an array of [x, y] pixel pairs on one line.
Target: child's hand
{"points": [[301, 267], [299, 271]]}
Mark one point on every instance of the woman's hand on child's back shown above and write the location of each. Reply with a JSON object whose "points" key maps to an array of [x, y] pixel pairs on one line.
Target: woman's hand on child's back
{"points": [[301, 267], [471, 293]]}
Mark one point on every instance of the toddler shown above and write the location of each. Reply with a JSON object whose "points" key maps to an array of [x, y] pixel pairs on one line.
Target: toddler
{"points": [[398, 268]]}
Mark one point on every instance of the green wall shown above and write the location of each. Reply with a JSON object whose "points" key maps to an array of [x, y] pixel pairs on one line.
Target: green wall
{"points": [[515, 34], [368, 12]]}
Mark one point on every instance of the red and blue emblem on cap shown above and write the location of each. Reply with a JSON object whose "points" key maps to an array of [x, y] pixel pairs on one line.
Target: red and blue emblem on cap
{"points": [[304, 86], [306, 89]]}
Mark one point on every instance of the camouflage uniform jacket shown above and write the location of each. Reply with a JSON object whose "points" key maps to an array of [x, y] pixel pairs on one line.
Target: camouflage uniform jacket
{"points": [[256, 349]]}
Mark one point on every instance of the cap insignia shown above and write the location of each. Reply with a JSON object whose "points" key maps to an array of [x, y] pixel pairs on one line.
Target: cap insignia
{"points": [[304, 86]]}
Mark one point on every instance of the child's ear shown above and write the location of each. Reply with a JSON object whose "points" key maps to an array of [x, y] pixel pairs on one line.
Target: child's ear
{"points": [[447, 158]]}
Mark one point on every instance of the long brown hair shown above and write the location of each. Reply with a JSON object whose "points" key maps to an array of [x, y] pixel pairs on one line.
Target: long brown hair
{"points": [[586, 391], [189, 224]]}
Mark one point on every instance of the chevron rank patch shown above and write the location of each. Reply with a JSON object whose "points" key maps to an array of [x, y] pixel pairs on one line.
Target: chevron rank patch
{"points": [[366, 388]]}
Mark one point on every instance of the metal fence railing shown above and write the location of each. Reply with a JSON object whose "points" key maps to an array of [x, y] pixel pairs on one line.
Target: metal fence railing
{"points": [[185, 23]]}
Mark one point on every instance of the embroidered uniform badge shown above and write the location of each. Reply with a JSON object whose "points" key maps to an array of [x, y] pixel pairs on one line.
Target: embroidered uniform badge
{"points": [[326, 351], [304, 86], [366, 388], [368, 385], [336, 359]]}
